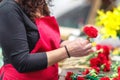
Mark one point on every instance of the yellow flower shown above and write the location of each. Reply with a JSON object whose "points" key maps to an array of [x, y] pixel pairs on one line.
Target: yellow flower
{"points": [[116, 51], [94, 44], [109, 21]]}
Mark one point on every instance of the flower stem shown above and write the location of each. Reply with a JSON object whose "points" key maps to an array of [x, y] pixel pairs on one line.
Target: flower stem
{"points": [[88, 38]]}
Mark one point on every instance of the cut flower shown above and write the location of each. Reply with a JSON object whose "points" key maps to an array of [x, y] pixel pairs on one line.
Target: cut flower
{"points": [[90, 31]]}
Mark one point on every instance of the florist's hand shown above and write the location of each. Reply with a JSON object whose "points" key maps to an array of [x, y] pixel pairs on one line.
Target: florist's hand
{"points": [[79, 47], [64, 43]]}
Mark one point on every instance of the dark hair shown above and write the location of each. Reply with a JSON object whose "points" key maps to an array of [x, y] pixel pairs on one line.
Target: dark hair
{"points": [[31, 6]]}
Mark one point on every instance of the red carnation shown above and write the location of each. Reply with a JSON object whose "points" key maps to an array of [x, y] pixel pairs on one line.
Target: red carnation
{"points": [[90, 31], [116, 78], [105, 78], [106, 50], [97, 69], [80, 78], [94, 62], [85, 72], [118, 68], [107, 66], [118, 71], [102, 58], [98, 46], [68, 76]]}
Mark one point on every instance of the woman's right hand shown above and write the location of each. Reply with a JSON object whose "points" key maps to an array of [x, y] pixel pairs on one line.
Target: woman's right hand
{"points": [[76, 48], [79, 47]]}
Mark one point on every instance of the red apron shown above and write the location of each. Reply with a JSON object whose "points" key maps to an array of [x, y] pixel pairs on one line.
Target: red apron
{"points": [[49, 40]]}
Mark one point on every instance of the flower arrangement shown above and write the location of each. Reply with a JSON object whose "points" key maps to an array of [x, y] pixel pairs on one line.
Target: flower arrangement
{"points": [[109, 22], [102, 60], [92, 74], [100, 63], [101, 67]]}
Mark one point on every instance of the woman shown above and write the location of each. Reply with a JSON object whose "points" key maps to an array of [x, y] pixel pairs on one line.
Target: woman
{"points": [[30, 41]]}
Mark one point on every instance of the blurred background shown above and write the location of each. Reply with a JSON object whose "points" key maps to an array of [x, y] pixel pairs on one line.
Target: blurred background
{"points": [[72, 15]]}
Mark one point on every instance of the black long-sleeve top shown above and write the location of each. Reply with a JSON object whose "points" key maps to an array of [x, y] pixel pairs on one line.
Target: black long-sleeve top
{"points": [[18, 36]]}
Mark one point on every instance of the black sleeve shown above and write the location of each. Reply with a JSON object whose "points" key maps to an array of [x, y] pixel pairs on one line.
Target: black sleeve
{"points": [[14, 43]]}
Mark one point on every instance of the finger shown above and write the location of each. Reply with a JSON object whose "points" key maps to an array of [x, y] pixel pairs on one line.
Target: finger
{"points": [[88, 46], [88, 52], [85, 42], [82, 42]]}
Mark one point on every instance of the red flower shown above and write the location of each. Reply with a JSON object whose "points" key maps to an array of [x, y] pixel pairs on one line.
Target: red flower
{"points": [[118, 68], [106, 50], [97, 69], [85, 72], [106, 66], [102, 58], [105, 78], [116, 78], [90, 31], [98, 46], [95, 62], [68, 76], [80, 78], [118, 71]]}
